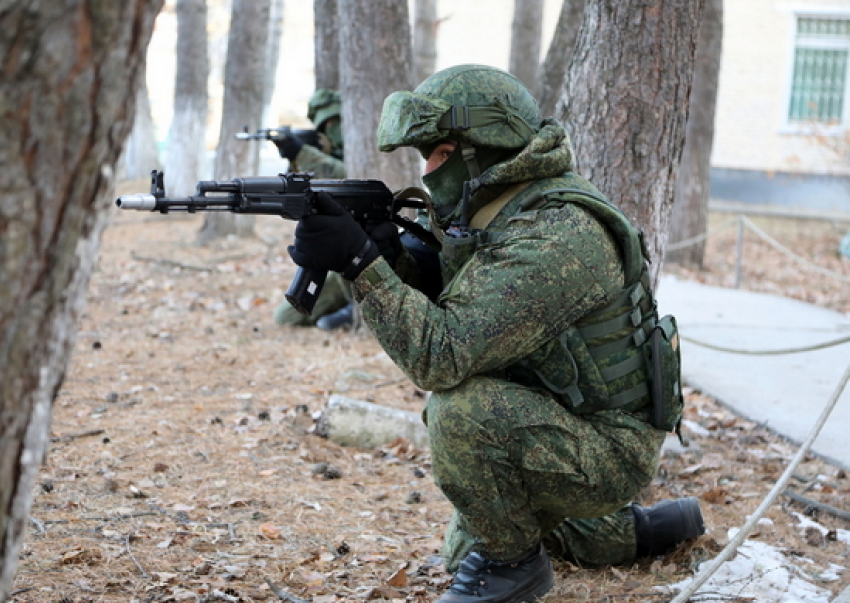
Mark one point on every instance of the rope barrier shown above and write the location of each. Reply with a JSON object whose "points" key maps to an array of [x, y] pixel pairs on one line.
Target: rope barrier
{"points": [[779, 247], [777, 489], [808, 348], [701, 237], [766, 238]]}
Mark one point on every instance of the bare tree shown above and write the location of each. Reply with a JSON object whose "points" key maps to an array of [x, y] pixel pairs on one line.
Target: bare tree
{"points": [[526, 29], [67, 103], [693, 185], [244, 82], [550, 75], [272, 58], [625, 104], [326, 62], [184, 157], [375, 60], [425, 25], [140, 152]]}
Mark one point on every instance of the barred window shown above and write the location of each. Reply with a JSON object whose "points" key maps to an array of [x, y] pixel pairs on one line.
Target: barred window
{"points": [[819, 80]]}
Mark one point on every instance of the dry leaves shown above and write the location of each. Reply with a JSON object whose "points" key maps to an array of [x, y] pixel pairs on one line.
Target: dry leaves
{"points": [[184, 464]]}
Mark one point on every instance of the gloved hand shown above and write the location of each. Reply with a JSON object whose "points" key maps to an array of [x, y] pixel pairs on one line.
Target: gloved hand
{"points": [[388, 240], [332, 240], [289, 146]]}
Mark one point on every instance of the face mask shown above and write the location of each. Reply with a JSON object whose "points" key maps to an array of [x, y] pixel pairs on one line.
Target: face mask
{"points": [[446, 186]]}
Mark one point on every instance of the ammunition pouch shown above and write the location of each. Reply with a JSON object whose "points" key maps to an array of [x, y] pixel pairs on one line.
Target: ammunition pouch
{"points": [[664, 360]]}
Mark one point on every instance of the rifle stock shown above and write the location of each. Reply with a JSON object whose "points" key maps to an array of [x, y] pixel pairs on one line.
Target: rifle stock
{"points": [[292, 197]]}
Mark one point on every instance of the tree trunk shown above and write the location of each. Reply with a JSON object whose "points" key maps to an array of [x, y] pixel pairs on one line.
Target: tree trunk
{"points": [[690, 209], [67, 103], [526, 30], [625, 104], [550, 76], [244, 80], [424, 40], [140, 154], [272, 60], [375, 60], [326, 62], [184, 157]]}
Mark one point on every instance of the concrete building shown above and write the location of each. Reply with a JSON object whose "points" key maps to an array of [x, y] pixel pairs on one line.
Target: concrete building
{"points": [[783, 111]]}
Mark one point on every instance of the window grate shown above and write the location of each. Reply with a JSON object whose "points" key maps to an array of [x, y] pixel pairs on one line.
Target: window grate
{"points": [[819, 79]]}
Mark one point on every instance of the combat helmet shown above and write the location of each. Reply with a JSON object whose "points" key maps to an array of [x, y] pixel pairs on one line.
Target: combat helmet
{"points": [[474, 104], [489, 112], [323, 105]]}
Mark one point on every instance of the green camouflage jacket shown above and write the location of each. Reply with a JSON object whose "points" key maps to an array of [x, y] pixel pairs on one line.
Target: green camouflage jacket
{"points": [[543, 270]]}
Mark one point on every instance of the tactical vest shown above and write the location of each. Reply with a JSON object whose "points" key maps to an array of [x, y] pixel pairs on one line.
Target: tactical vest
{"points": [[620, 356]]}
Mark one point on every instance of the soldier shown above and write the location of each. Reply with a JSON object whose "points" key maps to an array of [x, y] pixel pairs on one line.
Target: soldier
{"points": [[545, 418], [334, 308]]}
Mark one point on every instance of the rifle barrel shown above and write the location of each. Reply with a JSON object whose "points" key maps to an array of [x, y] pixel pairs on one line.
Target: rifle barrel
{"points": [[141, 202]]}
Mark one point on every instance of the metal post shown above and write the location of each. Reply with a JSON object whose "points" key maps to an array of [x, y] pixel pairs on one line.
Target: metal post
{"points": [[739, 252]]}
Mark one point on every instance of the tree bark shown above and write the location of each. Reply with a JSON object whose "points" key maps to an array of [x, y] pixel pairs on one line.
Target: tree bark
{"points": [[140, 153], [71, 70], [425, 25], [690, 209], [184, 157], [375, 60], [553, 70], [244, 82], [326, 58], [625, 104], [526, 30]]}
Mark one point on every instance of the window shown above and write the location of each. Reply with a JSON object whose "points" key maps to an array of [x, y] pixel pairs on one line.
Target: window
{"points": [[819, 80]]}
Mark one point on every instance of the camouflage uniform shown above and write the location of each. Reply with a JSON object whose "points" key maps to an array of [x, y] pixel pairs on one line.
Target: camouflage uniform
{"points": [[500, 349], [327, 164]]}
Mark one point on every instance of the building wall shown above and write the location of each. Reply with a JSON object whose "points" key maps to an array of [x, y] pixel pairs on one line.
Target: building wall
{"points": [[751, 131]]}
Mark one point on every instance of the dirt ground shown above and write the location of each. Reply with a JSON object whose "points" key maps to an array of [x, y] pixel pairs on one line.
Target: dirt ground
{"points": [[183, 466]]}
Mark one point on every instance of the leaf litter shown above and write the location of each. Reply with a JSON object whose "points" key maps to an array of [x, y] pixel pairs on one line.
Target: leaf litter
{"points": [[184, 463]]}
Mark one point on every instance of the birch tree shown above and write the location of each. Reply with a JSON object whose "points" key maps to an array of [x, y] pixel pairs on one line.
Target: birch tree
{"points": [[526, 30], [425, 25], [272, 58], [375, 60], [67, 102], [326, 49], [140, 152], [185, 154], [244, 85]]}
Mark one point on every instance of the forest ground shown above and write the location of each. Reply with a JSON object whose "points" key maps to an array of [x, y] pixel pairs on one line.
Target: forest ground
{"points": [[183, 466]]}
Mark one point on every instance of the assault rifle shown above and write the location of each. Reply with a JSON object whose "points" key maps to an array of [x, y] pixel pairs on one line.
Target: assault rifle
{"points": [[291, 196], [310, 137], [277, 135]]}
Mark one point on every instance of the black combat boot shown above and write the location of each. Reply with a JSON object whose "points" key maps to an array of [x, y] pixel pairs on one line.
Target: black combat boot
{"points": [[341, 319], [666, 524], [522, 580]]}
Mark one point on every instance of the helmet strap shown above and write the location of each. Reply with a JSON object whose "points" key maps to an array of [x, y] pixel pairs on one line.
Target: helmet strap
{"points": [[468, 154]]}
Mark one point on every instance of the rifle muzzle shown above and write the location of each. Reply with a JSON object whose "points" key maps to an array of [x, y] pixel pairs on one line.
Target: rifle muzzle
{"points": [[142, 202]]}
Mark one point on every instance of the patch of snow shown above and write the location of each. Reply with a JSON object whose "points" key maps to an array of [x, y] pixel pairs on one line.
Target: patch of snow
{"points": [[763, 572]]}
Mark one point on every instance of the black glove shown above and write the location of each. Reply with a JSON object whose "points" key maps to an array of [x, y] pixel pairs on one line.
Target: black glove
{"points": [[388, 240], [289, 146], [332, 240]]}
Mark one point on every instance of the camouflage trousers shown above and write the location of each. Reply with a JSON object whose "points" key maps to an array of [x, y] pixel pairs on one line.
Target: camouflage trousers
{"points": [[519, 468]]}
